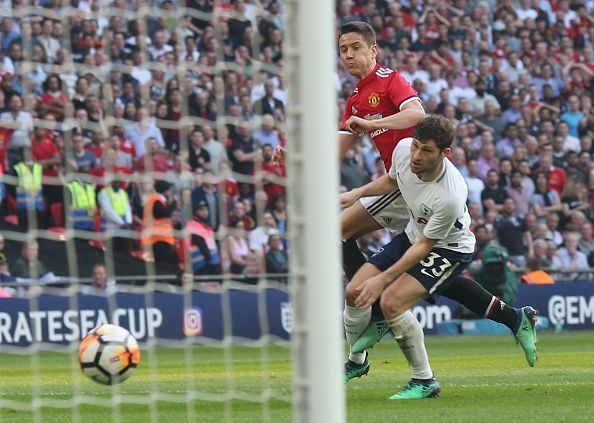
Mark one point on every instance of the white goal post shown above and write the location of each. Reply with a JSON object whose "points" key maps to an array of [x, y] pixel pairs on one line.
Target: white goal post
{"points": [[318, 387]]}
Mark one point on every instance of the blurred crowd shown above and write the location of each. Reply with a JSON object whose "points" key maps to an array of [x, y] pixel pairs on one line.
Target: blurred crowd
{"points": [[150, 127], [155, 127], [517, 79]]}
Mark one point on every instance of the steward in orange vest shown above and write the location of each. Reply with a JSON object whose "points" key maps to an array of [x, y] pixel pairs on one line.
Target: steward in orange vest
{"points": [[157, 231], [201, 243], [536, 276]]}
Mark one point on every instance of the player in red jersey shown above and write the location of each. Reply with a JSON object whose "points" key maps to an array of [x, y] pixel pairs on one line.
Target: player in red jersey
{"points": [[387, 108], [397, 111]]}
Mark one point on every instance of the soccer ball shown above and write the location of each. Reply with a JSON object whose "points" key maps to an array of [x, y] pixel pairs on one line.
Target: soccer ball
{"points": [[108, 354]]}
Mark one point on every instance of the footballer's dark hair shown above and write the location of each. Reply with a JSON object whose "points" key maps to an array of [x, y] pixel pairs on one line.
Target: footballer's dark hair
{"points": [[436, 128], [362, 28]]}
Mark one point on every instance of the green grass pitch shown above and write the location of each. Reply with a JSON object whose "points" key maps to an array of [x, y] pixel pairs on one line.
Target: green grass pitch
{"points": [[483, 378]]}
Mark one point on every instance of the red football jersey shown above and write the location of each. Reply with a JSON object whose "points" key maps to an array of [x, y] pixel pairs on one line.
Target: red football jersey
{"points": [[382, 93]]}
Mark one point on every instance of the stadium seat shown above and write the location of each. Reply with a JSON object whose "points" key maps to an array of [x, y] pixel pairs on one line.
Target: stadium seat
{"points": [[11, 204], [97, 243], [181, 250], [12, 219], [57, 211], [143, 255], [58, 232]]}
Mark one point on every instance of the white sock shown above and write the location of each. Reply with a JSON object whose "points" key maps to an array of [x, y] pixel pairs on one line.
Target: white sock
{"points": [[409, 335], [355, 322]]}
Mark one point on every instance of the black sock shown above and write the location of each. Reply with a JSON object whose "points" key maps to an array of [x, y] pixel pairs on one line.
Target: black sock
{"points": [[352, 258], [478, 300]]}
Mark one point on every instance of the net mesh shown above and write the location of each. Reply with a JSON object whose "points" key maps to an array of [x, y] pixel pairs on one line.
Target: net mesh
{"points": [[180, 98]]}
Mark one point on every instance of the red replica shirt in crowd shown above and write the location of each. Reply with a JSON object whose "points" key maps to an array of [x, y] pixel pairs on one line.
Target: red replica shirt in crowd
{"points": [[557, 179], [5, 134], [272, 189], [382, 93], [44, 149]]}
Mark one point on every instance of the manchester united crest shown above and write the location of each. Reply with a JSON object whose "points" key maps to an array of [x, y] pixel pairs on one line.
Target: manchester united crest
{"points": [[374, 99]]}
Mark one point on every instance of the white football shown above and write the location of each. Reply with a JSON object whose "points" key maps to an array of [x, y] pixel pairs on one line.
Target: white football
{"points": [[108, 354]]}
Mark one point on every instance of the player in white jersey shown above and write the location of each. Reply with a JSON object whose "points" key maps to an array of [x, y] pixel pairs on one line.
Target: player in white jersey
{"points": [[437, 207], [426, 258]]}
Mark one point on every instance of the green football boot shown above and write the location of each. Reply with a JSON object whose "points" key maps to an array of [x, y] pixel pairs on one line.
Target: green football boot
{"points": [[526, 334], [352, 369], [371, 336], [418, 389]]}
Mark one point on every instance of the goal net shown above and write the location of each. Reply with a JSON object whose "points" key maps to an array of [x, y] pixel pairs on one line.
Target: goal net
{"points": [[139, 188]]}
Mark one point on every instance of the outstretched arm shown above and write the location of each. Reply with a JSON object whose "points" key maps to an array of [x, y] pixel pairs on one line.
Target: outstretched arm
{"points": [[345, 141], [382, 185]]}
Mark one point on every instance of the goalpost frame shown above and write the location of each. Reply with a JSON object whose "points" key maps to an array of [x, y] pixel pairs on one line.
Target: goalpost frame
{"points": [[312, 160]]}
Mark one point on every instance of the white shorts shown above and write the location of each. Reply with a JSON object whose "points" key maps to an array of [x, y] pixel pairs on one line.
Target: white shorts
{"points": [[388, 210]]}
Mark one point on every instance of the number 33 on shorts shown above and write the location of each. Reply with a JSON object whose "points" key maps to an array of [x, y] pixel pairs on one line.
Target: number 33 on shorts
{"points": [[434, 265]]}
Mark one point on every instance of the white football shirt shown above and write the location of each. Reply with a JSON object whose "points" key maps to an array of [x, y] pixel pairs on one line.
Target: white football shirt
{"points": [[437, 208]]}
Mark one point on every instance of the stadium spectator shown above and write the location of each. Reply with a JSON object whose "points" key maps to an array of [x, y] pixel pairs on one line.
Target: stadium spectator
{"points": [[201, 243], [572, 259], [586, 242], [215, 149], [239, 213], [575, 198], [82, 205], [519, 194], [29, 192], [45, 152], [352, 173], [143, 130], [53, 99], [238, 255], [556, 177], [22, 129], [539, 246], [505, 146], [208, 192], [243, 153], [277, 260], [513, 233], [279, 212], [269, 104], [153, 161], [266, 133], [535, 275], [258, 237], [493, 196], [553, 233], [29, 265], [101, 283], [544, 200], [199, 156], [80, 160], [157, 227], [271, 174], [180, 176], [115, 208], [487, 161], [5, 276]]}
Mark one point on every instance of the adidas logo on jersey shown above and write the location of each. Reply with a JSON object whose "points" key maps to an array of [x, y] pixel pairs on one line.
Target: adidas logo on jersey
{"points": [[383, 72]]}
